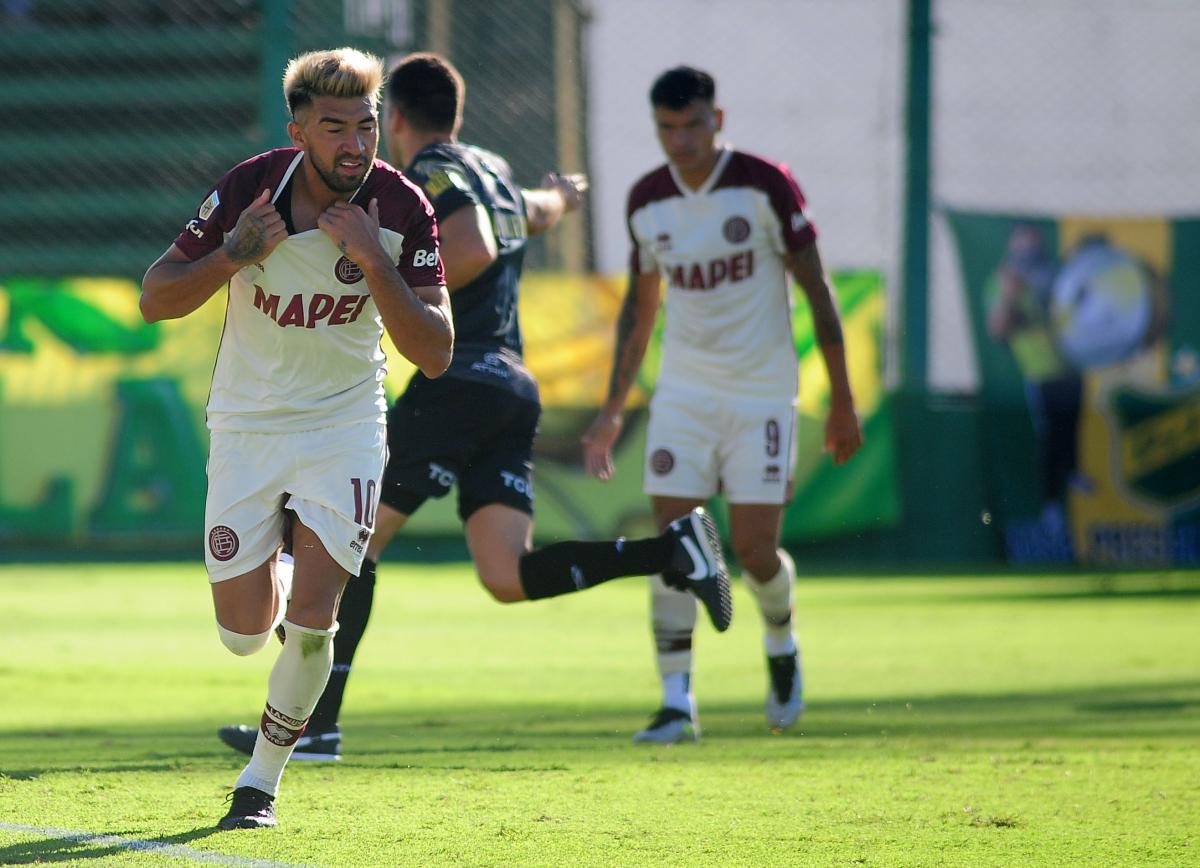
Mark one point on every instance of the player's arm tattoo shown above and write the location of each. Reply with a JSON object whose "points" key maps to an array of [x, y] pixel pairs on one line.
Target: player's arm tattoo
{"points": [[248, 242], [810, 274]]}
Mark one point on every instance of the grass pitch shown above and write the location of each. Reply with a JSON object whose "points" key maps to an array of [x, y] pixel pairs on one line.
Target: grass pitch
{"points": [[1044, 720]]}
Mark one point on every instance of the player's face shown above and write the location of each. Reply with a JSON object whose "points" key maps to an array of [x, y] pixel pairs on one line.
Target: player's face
{"points": [[340, 136], [688, 135]]}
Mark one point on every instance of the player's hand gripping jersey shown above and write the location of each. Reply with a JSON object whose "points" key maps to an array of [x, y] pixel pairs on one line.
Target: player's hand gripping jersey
{"points": [[720, 251], [487, 333], [300, 349]]}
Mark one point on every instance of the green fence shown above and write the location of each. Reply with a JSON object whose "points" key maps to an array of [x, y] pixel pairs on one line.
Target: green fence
{"points": [[120, 114]]}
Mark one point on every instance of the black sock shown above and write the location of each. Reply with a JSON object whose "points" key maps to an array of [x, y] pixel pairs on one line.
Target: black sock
{"points": [[566, 567], [353, 614]]}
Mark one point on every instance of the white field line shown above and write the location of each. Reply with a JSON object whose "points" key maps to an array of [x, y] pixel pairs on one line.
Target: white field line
{"points": [[161, 848]]}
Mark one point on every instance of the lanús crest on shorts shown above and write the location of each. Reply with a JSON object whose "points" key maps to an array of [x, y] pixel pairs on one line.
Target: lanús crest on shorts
{"points": [[662, 462], [347, 271], [223, 542]]}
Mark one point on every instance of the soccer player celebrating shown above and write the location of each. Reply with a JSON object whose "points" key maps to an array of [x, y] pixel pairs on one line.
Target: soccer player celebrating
{"points": [[323, 247], [722, 229], [474, 427]]}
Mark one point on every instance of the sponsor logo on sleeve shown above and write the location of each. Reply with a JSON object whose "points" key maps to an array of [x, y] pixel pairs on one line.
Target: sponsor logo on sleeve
{"points": [[210, 205], [193, 226], [442, 180], [423, 258], [799, 220]]}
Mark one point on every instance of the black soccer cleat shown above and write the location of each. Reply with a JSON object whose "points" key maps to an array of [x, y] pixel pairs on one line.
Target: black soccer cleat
{"points": [[669, 726], [701, 566], [785, 693], [315, 747], [249, 808]]}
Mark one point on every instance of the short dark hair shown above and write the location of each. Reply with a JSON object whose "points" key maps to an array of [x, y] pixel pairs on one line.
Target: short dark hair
{"points": [[677, 88], [429, 91]]}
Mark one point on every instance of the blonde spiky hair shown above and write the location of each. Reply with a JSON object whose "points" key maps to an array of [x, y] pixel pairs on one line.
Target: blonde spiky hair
{"points": [[339, 72]]}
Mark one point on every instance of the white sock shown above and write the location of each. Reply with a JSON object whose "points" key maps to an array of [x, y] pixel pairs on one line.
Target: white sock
{"points": [[295, 685], [677, 691], [284, 569], [775, 600], [673, 617]]}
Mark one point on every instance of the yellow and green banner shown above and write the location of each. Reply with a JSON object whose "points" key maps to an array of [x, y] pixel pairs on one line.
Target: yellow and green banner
{"points": [[103, 444], [1087, 332]]}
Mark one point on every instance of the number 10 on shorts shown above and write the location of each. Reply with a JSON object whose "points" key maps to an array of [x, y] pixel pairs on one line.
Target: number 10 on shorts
{"points": [[364, 508]]}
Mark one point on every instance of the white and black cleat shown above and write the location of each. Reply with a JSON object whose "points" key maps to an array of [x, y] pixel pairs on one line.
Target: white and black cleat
{"points": [[249, 808], [701, 566], [669, 726], [785, 694]]}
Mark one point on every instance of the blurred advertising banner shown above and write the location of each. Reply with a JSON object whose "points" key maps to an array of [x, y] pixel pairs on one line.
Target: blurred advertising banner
{"points": [[1087, 332], [103, 443]]}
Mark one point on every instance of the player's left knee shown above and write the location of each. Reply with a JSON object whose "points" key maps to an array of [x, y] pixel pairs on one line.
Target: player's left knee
{"points": [[757, 557], [243, 644], [503, 588]]}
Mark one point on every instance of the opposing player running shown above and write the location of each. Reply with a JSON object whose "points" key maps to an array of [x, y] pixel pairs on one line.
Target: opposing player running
{"points": [[721, 229], [323, 247]]}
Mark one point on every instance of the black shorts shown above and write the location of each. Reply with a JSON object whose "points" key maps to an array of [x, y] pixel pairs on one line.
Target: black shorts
{"points": [[448, 432]]}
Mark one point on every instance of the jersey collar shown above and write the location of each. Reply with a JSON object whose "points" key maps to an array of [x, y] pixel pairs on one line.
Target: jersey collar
{"points": [[718, 167], [291, 170]]}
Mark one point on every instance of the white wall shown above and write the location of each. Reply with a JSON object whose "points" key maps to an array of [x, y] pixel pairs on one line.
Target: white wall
{"points": [[1049, 106], [813, 83]]}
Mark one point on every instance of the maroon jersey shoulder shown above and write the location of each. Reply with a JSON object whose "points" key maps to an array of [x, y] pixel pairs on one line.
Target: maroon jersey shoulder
{"points": [[774, 179], [652, 187], [401, 202], [229, 197], [404, 208]]}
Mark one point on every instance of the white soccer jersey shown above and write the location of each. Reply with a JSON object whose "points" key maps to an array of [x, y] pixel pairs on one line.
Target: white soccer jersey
{"points": [[720, 251], [300, 349]]}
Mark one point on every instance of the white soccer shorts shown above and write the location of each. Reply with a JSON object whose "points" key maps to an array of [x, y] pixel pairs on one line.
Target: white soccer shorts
{"points": [[330, 477], [699, 443]]}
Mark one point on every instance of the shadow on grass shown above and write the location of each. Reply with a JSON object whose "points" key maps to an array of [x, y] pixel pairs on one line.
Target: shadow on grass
{"points": [[61, 846], [529, 738]]}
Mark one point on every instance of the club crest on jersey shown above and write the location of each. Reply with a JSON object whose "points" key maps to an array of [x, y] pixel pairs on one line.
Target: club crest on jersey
{"points": [[223, 542], [210, 204], [663, 242], [736, 230], [347, 271], [662, 462]]}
